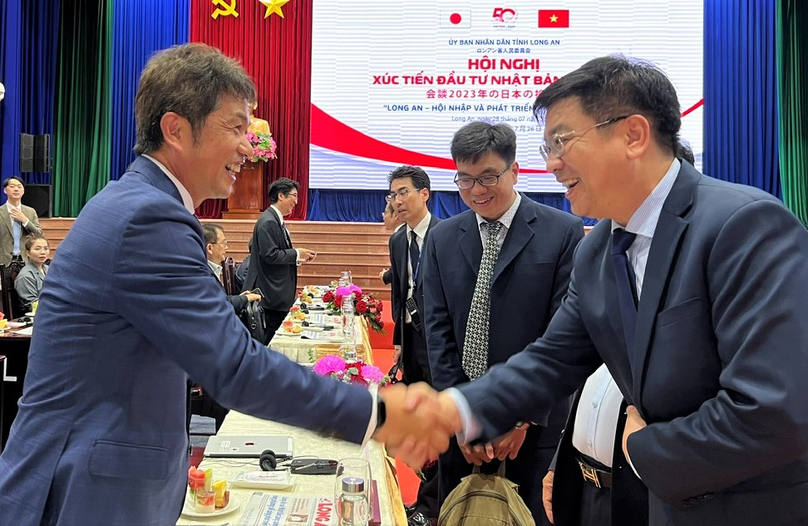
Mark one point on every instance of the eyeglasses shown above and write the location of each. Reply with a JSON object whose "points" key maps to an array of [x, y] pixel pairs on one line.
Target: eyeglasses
{"points": [[292, 195], [400, 194], [223, 243], [467, 183], [559, 141]]}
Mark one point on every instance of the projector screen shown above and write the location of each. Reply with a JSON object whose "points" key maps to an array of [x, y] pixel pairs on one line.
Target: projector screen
{"points": [[393, 81]]}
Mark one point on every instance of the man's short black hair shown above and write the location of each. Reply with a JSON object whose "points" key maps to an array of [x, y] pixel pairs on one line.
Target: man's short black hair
{"points": [[612, 86], [211, 232], [420, 179], [476, 139], [284, 185], [14, 177]]}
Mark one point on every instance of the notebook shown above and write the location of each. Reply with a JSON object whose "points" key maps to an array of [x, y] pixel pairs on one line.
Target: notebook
{"points": [[248, 446]]}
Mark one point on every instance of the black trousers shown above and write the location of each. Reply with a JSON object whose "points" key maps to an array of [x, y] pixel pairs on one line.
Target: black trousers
{"points": [[273, 319], [415, 365]]}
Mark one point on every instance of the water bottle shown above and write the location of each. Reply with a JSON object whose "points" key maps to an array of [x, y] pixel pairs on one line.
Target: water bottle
{"points": [[348, 317], [352, 506]]}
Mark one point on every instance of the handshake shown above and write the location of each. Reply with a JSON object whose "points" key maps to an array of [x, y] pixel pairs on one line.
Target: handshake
{"points": [[419, 422]]}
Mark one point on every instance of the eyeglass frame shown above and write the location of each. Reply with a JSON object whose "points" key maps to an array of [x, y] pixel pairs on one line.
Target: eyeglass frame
{"points": [[223, 243], [391, 197], [545, 149], [479, 180]]}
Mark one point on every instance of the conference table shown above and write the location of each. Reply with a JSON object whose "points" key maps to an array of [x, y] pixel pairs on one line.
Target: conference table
{"points": [[15, 342]]}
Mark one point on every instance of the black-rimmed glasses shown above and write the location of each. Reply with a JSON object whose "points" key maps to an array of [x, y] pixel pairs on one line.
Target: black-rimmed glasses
{"points": [[559, 141], [467, 183], [402, 194]]}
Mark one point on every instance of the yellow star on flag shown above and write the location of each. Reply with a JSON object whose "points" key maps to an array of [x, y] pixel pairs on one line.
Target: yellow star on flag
{"points": [[553, 18], [274, 6]]}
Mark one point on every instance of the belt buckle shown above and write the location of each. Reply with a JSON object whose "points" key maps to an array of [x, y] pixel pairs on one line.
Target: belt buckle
{"points": [[590, 474]]}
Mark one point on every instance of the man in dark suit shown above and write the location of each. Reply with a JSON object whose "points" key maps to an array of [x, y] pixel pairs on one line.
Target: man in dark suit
{"points": [[700, 321], [409, 194], [129, 311], [392, 223], [273, 260], [590, 481], [529, 272]]}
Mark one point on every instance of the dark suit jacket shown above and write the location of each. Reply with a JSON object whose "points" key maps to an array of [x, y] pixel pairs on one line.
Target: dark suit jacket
{"points": [[399, 283], [719, 363], [273, 263], [387, 277], [629, 496], [128, 311]]}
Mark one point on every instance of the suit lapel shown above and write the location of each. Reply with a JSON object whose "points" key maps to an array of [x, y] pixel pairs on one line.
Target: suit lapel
{"points": [[5, 218], [518, 236], [661, 258], [471, 246], [420, 277]]}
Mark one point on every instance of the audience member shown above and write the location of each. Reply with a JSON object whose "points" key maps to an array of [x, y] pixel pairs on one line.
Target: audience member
{"points": [[130, 311], [17, 220], [493, 277], [273, 260], [216, 252], [31, 277], [700, 323], [409, 193]]}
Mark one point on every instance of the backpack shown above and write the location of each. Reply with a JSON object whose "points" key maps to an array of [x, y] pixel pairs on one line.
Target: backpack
{"points": [[253, 318], [485, 500]]}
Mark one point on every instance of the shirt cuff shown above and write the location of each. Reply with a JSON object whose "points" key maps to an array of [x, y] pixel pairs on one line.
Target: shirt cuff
{"points": [[630, 463], [374, 393], [471, 429], [297, 257], [25, 225]]}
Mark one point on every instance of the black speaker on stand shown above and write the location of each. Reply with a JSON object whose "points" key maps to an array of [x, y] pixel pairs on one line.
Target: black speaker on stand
{"points": [[26, 152], [35, 153], [40, 198]]}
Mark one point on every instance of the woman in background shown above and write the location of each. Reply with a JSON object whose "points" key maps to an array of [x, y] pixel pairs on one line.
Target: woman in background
{"points": [[32, 275]]}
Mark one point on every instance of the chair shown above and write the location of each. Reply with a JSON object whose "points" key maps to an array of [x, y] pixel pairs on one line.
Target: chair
{"points": [[228, 277], [12, 308]]}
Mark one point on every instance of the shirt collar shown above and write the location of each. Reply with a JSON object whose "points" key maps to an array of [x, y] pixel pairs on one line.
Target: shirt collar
{"points": [[277, 213], [644, 220], [215, 267], [507, 218], [187, 202], [421, 228]]}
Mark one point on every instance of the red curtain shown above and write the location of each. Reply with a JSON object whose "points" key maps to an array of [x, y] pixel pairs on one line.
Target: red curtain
{"points": [[276, 52]]}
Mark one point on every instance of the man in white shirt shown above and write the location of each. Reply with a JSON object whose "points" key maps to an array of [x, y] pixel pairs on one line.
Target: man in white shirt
{"points": [[16, 221]]}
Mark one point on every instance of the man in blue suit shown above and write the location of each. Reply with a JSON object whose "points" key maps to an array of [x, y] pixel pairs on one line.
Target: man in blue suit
{"points": [[129, 311], [528, 280], [713, 358]]}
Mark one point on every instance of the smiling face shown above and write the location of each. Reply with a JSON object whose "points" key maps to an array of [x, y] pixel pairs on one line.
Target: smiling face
{"points": [[209, 164], [590, 167], [490, 202], [286, 203]]}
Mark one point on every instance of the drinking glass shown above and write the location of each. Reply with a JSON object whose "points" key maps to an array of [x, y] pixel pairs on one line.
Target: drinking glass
{"points": [[352, 492]]}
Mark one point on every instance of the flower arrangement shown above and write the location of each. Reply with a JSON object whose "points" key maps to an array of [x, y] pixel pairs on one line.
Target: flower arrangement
{"points": [[350, 372], [366, 304], [263, 146]]}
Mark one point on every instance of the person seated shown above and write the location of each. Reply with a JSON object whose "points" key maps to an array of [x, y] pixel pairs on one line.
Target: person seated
{"points": [[31, 277], [216, 251]]}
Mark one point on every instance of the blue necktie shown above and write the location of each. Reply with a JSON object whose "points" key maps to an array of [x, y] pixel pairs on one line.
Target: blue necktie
{"points": [[17, 233], [624, 275]]}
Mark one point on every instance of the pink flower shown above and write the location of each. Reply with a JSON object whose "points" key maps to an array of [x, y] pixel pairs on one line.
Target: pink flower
{"points": [[371, 373], [328, 365]]}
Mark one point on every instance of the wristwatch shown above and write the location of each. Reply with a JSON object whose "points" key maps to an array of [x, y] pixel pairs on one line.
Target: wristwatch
{"points": [[381, 412]]}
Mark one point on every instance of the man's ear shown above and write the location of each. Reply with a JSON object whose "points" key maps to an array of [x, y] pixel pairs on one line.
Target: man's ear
{"points": [[174, 128], [209, 248], [638, 136]]}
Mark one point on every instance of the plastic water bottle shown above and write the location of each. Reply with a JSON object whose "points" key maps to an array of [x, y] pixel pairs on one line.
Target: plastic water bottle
{"points": [[348, 318]]}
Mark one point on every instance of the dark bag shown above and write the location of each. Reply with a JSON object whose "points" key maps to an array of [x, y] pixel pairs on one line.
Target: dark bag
{"points": [[253, 318]]}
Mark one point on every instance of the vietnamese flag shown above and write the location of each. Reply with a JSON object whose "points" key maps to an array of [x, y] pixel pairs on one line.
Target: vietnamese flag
{"points": [[554, 18]]}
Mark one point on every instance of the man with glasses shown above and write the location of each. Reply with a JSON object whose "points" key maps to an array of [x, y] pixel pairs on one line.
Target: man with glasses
{"points": [[494, 276], [273, 259], [409, 194], [16, 222], [691, 290]]}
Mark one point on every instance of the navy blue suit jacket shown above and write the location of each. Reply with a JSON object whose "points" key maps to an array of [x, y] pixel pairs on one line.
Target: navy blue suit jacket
{"points": [[719, 364], [529, 281], [128, 311]]}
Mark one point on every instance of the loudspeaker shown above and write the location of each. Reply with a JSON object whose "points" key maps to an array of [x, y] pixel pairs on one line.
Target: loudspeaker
{"points": [[42, 155], [35, 153], [26, 152], [39, 197]]}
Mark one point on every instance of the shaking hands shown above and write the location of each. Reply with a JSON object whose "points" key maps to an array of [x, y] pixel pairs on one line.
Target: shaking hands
{"points": [[419, 422]]}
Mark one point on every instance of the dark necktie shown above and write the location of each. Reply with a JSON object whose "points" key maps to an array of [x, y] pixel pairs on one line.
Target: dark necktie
{"points": [[415, 255], [286, 234], [624, 276], [475, 344]]}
